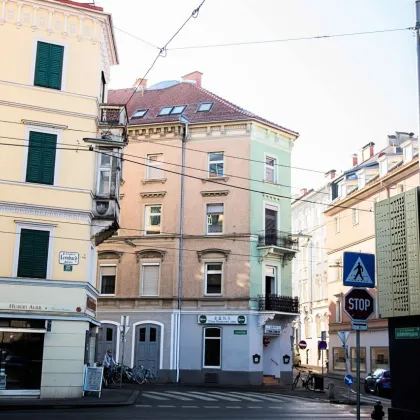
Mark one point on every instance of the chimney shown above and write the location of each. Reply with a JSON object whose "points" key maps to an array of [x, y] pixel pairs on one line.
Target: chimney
{"points": [[368, 151], [330, 174], [303, 191], [354, 159], [140, 83], [194, 77]]}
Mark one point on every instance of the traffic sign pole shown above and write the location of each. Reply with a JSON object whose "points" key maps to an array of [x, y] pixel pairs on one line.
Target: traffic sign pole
{"points": [[358, 373]]}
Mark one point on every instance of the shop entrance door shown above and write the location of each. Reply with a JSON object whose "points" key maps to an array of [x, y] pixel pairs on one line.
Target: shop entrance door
{"points": [[107, 340], [148, 347]]}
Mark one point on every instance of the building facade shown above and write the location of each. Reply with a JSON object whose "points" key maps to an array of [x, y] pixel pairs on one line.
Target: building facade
{"points": [[350, 226], [53, 190], [205, 286], [310, 271]]}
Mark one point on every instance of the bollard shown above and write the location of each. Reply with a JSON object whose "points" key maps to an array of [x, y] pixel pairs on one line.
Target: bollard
{"points": [[331, 387], [377, 413]]}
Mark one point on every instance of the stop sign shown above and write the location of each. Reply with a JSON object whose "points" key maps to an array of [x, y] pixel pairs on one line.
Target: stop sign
{"points": [[359, 304]]}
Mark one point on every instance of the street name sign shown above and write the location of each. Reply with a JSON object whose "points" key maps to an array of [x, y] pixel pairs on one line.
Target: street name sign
{"points": [[407, 333], [359, 304], [359, 269]]}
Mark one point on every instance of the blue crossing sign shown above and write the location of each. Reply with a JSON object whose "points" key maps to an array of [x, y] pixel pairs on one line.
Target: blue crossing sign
{"points": [[359, 269], [348, 380]]}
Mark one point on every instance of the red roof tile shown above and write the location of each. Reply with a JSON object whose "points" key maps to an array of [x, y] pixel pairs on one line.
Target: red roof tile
{"points": [[189, 94], [85, 5]]}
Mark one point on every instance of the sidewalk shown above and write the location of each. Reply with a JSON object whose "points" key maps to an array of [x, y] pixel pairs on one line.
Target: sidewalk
{"points": [[109, 398]]}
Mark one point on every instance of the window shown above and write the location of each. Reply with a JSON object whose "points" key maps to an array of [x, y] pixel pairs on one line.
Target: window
{"points": [[308, 328], [355, 216], [172, 110], [150, 279], [383, 167], [205, 107], [338, 318], [361, 180], [108, 274], [318, 326], [270, 169], [337, 224], [215, 219], [104, 174], [213, 278], [342, 190], [379, 358], [140, 113], [49, 65], [142, 335], [212, 357], [154, 168], [216, 164], [408, 153], [353, 359], [109, 334], [33, 253], [103, 89], [40, 167], [153, 219], [339, 358]]}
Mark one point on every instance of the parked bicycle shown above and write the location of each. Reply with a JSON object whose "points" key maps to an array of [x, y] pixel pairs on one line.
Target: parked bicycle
{"points": [[137, 374], [308, 381]]}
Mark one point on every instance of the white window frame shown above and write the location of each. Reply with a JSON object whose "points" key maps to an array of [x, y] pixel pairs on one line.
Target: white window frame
{"points": [[156, 164], [47, 130], [338, 311], [275, 168], [355, 216], [34, 226], [33, 63], [215, 161], [361, 180], [104, 169], [342, 189], [337, 224], [206, 272], [408, 153], [148, 264], [207, 220], [204, 346], [383, 167], [100, 279], [146, 215], [276, 278]]}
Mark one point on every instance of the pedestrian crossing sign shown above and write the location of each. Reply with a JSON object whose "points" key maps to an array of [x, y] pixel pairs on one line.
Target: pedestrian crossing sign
{"points": [[359, 269]]}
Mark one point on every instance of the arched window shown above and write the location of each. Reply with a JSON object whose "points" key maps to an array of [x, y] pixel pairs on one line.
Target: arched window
{"points": [[318, 325], [307, 328]]}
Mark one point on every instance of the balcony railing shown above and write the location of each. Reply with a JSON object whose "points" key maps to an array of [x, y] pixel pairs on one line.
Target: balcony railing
{"points": [[278, 303], [112, 115], [277, 238]]}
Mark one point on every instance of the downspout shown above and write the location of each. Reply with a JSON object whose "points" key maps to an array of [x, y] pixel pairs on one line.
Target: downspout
{"points": [[181, 242]]}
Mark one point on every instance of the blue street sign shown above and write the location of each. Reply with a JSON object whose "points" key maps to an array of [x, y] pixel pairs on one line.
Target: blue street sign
{"points": [[322, 345], [359, 269], [348, 380]]}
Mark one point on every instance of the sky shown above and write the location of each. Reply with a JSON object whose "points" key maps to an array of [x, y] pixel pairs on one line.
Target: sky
{"points": [[339, 93]]}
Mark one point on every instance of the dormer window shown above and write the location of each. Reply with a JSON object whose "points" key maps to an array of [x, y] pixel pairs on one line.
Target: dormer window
{"points": [[205, 107], [140, 113], [361, 180], [383, 167], [342, 189], [172, 110], [408, 153]]}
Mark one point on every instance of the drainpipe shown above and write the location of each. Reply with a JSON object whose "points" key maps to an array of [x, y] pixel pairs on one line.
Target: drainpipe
{"points": [[183, 120]]}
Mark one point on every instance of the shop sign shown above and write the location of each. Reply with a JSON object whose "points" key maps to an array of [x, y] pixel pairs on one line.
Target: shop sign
{"points": [[222, 319], [90, 304], [69, 258], [272, 329], [93, 379], [407, 333], [68, 268], [36, 307], [240, 332]]}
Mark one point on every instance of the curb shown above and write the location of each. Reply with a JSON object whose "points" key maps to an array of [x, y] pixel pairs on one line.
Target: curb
{"points": [[57, 406]]}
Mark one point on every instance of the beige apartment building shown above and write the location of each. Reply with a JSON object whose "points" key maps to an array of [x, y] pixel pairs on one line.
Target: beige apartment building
{"points": [[208, 299], [350, 226]]}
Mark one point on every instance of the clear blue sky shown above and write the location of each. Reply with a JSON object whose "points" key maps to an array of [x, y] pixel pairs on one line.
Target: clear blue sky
{"points": [[339, 94]]}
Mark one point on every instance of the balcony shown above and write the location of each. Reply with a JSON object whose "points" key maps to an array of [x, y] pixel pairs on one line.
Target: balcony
{"points": [[276, 238], [278, 303], [113, 115]]}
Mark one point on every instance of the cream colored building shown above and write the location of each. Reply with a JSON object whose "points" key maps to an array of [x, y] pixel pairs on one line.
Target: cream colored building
{"points": [[58, 198], [350, 226]]}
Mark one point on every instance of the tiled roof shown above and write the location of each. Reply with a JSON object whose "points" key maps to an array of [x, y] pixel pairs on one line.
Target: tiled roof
{"points": [[183, 93], [85, 5]]}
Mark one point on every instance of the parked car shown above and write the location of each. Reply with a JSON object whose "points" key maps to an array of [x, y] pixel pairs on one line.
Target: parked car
{"points": [[379, 382], [296, 359]]}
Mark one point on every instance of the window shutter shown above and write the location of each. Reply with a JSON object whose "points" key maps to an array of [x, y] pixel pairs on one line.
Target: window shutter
{"points": [[150, 280], [49, 65], [33, 253], [42, 64], [56, 66], [33, 168], [48, 159]]}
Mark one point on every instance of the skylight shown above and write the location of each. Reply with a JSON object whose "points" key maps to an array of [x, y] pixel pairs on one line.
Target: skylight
{"points": [[178, 110], [205, 107], [140, 113], [172, 110]]}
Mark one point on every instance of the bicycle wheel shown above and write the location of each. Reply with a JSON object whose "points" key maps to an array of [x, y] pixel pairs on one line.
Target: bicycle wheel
{"points": [[295, 382], [310, 383]]}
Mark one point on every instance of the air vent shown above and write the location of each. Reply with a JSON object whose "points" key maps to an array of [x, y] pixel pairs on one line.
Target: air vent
{"points": [[211, 378]]}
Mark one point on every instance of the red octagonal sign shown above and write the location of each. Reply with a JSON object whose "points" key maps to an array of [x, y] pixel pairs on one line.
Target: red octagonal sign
{"points": [[359, 304]]}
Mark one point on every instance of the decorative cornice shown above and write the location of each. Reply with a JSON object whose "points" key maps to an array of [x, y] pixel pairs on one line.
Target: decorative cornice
{"points": [[153, 181], [110, 254], [213, 251], [272, 197], [157, 194], [214, 193], [150, 253], [44, 124], [215, 179], [45, 211]]}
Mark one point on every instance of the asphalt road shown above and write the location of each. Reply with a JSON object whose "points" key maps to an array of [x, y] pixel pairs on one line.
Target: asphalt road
{"points": [[202, 404]]}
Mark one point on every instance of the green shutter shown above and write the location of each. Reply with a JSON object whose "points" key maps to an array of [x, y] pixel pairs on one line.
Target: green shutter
{"points": [[41, 158], [33, 253], [49, 65]]}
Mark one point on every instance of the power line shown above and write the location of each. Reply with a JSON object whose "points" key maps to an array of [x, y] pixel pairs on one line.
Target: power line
{"points": [[306, 38]]}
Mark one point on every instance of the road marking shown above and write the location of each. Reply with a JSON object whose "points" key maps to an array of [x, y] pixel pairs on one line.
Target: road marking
{"points": [[142, 406], [178, 395], [189, 406], [211, 406], [152, 395], [246, 398], [272, 397], [166, 406], [233, 406], [222, 396], [254, 406], [200, 396]]}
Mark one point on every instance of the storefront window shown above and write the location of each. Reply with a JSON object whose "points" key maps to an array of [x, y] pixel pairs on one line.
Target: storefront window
{"points": [[212, 347], [339, 361], [379, 357], [353, 361], [21, 354]]}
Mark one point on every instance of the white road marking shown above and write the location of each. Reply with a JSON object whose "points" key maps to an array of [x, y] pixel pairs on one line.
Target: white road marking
{"points": [[222, 396], [152, 395], [142, 406], [254, 406], [178, 395], [233, 406], [166, 406], [245, 397], [211, 406], [189, 406], [200, 396], [272, 397]]}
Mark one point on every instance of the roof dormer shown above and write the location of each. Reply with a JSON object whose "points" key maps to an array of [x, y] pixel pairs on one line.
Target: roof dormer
{"points": [[409, 148]]}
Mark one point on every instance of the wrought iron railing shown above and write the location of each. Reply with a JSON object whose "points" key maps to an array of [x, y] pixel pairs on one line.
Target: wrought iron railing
{"points": [[112, 114], [278, 303], [277, 238]]}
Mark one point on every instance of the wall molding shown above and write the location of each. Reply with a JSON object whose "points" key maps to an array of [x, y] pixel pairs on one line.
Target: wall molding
{"points": [[214, 193], [156, 194], [207, 251], [44, 124]]}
